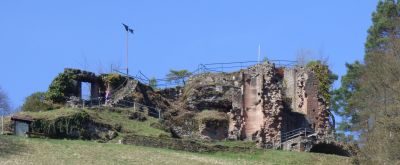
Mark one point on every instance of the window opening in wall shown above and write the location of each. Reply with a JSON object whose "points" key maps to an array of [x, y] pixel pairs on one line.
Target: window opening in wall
{"points": [[85, 90]]}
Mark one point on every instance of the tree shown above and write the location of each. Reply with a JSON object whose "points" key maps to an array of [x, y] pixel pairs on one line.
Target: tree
{"points": [[178, 76], [377, 105], [36, 102], [343, 100], [4, 102], [153, 83], [369, 96], [384, 25]]}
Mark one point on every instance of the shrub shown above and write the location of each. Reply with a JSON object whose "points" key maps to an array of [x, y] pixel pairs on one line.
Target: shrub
{"points": [[114, 80], [36, 102], [60, 85]]}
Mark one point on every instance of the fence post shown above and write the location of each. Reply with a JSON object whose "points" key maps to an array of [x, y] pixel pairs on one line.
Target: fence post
{"points": [[305, 132], [134, 106], [2, 124], [159, 114]]}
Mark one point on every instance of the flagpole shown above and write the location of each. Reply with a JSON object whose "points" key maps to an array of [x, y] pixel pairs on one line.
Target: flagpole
{"points": [[127, 46], [127, 70], [259, 53]]}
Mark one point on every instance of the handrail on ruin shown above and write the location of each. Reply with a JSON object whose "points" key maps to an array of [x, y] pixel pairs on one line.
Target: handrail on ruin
{"points": [[96, 102], [296, 133], [138, 105], [221, 67]]}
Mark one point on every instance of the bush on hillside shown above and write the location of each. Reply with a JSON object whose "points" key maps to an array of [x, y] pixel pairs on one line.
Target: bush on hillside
{"points": [[36, 102], [59, 86]]}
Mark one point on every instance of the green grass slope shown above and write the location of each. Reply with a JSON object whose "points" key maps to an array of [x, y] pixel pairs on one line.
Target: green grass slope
{"points": [[107, 116], [17, 150]]}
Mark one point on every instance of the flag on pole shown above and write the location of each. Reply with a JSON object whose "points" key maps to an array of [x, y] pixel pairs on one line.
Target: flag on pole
{"points": [[127, 28]]}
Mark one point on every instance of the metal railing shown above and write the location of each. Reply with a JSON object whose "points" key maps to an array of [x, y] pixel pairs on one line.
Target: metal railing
{"points": [[140, 107], [100, 102], [296, 133], [207, 68], [231, 66]]}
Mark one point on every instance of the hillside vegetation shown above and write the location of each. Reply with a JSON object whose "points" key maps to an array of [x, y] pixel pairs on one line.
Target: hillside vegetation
{"points": [[16, 150], [56, 122]]}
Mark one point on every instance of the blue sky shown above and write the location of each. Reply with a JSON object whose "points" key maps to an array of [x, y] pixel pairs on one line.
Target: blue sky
{"points": [[38, 39]]}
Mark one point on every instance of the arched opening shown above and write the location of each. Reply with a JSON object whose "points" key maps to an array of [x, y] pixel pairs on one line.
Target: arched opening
{"points": [[329, 149]]}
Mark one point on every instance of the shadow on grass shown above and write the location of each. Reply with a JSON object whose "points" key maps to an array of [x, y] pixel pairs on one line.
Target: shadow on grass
{"points": [[11, 145]]}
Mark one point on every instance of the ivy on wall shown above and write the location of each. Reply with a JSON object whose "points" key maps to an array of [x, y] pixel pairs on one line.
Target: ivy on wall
{"points": [[59, 87], [325, 78], [114, 80]]}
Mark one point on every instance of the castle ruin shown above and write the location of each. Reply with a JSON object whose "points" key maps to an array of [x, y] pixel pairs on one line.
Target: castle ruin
{"points": [[277, 107]]}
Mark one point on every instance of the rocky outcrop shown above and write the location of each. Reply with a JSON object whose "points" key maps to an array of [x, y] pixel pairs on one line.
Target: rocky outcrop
{"points": [[252, 98], [122, 96], [172, 94], [133, 91], [184, 125], [209, 91], [262, 102]]}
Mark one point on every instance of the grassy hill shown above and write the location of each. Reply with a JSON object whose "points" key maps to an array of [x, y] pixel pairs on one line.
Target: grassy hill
{"points": [[17, 150], [113, 117]]}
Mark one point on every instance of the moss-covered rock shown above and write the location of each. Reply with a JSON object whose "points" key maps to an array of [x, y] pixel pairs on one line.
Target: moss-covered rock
{"points": [[78, 125]]}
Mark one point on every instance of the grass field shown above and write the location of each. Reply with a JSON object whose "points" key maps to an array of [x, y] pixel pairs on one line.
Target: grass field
{"points": [[120, 117], [18, 150]]}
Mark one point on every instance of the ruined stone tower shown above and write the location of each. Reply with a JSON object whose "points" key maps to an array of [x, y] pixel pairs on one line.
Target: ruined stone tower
{"points": [[264, 103]]}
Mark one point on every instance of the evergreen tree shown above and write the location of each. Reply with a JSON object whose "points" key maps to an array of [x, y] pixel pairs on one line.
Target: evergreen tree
{"points": [[343, 100], [368, 98], [384, 25]]}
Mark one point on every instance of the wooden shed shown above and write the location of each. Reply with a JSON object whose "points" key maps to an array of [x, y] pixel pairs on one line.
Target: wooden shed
{"points": [[21, 125]]}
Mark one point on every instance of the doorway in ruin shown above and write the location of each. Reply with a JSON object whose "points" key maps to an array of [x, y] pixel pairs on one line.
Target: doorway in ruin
{"points": [[86, 90]]}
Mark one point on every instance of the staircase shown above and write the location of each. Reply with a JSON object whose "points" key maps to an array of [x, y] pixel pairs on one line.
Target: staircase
{"points": [[285, 136]]}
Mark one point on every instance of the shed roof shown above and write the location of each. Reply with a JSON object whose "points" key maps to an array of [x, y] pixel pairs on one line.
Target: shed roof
{"points": [[22, 118]]}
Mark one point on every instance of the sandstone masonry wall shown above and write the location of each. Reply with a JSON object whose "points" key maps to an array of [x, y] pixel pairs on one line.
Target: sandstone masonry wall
{"points": [[261, 104]]}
